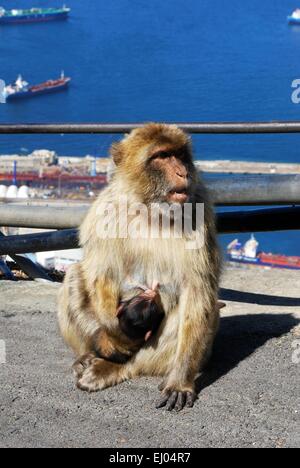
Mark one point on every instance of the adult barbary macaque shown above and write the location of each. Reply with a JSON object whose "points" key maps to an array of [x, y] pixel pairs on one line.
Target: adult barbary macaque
{"points": [[153, 166]]}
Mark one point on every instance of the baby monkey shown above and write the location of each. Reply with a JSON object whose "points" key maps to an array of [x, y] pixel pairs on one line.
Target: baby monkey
{"points": [[139, 319], [141, 316]]}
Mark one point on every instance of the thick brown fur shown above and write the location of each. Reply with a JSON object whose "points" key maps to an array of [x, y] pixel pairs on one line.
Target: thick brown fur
{"points": [[189, 278]]}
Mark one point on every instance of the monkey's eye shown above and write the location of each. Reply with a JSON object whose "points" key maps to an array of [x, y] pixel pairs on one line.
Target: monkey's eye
{"points": [[180, 154], [161, 155]]}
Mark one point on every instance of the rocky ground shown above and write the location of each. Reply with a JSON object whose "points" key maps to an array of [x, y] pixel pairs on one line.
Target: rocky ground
{"points": [[249, 396]]}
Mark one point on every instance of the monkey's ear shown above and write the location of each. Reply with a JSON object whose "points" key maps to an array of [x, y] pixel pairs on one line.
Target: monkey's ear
{"points": [[117, 152]]}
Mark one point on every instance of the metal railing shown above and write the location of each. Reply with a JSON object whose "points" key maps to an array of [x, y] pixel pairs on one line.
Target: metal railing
{"points": [[263, 220], [228, 191], [196, 128]]}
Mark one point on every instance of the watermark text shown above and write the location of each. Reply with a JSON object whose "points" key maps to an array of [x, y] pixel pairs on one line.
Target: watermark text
{"points": [[2, 92], [2, 352], [296, 352], [127, 220], [296, 93]]}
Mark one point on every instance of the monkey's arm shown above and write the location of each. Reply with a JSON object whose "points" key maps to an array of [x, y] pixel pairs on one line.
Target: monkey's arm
{"points": [[198, 324], [113, 346]]}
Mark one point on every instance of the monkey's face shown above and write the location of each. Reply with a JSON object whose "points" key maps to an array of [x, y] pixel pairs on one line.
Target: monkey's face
{"points": [[156, 162], [170, 173]]}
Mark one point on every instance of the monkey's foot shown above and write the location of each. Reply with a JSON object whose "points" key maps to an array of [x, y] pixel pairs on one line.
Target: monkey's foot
{"points": [[176, 399], [100, 374], [82, 364]]}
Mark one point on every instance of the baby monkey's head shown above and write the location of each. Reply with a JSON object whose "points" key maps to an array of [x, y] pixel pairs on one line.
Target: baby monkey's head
{"points": [[141, 316]]}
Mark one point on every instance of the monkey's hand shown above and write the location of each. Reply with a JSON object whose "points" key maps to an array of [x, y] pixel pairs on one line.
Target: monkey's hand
{"points": [[177, 398]]}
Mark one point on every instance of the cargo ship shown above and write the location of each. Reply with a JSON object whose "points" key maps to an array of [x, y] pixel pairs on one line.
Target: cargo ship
{"points": [[21, 89], [249, 254], [294, 18], [33, 15]]}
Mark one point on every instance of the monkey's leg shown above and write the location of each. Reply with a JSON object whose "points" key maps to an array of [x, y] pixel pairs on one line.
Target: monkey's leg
{"points": [[104, 349], [101, 374], [207, 355], [76, 319], [199, 321], [81, 317]]}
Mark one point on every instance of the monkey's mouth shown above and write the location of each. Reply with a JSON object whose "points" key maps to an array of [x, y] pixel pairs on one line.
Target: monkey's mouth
{"points": [[178, 195]]}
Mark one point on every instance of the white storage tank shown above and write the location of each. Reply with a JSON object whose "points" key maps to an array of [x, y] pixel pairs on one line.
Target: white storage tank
{"points": [[23, 192], [3, 190], [12, 191]]}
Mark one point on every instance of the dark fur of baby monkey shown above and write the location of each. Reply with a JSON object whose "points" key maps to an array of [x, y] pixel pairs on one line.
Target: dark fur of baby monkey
{"points": [[141, 316]]}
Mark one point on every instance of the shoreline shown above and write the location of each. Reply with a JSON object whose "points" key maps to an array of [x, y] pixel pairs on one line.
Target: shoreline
{"points": [[42, 159]]}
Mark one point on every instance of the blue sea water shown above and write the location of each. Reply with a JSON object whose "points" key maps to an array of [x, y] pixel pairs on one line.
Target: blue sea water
{"points": [[179, 60]]}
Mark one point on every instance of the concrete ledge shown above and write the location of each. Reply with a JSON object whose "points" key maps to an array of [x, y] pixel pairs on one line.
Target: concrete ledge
{"points": [[249, 395]]}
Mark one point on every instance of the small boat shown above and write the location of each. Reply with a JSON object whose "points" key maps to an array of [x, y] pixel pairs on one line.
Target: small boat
{"points": [[21, 89], [249, 255], [294, 18], [33, 15]]}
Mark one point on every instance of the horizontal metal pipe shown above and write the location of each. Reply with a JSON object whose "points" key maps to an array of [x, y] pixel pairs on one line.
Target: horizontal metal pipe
{"points": [[58, 202], [193, 127], [276, 219], [47, 217], [255, 190], [32, 270], [226, 191], [42, 242], [264, 220]]}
